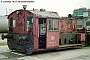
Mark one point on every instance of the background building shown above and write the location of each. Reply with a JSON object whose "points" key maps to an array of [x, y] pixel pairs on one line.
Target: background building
{"points": [[79, 12]]}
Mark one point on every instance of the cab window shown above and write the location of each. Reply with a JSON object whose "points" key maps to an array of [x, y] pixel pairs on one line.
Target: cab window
{"points": [[29, 22], [53, 25], [12, 22], [50, 25], [56, 25]]}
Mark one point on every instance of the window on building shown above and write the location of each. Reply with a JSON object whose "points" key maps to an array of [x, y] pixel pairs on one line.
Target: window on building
{"points": [[79, 26], [88, 23], [53, 25]]}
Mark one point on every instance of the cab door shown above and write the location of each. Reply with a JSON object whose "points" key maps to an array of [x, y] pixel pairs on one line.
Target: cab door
{"points": [[52, 40]]}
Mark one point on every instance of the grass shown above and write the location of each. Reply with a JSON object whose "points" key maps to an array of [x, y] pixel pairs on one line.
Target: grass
{"points": [[3, 43]]}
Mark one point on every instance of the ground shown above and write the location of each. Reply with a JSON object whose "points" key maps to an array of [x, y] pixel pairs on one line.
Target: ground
{"points": [[66, 54], [74, 54]]}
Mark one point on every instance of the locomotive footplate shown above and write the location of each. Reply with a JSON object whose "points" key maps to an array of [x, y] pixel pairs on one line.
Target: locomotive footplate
{"points": [[70, 46]]}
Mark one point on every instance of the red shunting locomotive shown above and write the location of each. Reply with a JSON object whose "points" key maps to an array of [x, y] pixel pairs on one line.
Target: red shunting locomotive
{"points": [[32, 30]]}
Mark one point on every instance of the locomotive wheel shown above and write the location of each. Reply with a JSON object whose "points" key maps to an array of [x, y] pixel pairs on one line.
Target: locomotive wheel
{"points": [[29, 46]]}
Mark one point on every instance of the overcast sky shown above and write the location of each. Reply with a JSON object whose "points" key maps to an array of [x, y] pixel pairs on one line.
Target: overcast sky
{"points": [[63, 7]]}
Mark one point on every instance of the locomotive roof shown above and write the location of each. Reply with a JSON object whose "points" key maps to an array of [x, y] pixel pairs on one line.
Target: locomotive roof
{"points": [[45, 14], [41, 14]]}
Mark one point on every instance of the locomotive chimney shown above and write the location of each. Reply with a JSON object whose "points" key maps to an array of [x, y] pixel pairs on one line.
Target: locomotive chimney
{"points": [[24, 7]]}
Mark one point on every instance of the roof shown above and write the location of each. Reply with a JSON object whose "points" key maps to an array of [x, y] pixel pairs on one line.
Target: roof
{"points": [[45, 14], [41, 14]]}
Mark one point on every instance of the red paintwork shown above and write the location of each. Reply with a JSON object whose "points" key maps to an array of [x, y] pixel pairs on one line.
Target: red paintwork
{"points": [[67, 25], [52, 40], [81, 36], [20, 29], [20, 19], [35, 32], [84, 30]]}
